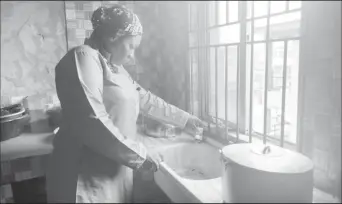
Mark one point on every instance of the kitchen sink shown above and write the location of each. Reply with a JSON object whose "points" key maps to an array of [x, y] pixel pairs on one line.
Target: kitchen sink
{"points": [[191, 172], [196, 161]]}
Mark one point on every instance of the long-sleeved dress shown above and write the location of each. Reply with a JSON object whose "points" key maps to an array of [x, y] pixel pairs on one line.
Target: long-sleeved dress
{"points": [[96, 149]]}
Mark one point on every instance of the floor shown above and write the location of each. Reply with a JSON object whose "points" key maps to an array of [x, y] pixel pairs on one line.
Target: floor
{"points": [[29, 191], [322, 197], [33, 191], [146, 191]]}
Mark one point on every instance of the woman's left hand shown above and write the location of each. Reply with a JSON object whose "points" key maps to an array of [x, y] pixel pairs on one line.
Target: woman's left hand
{"points": [[193, 123]]}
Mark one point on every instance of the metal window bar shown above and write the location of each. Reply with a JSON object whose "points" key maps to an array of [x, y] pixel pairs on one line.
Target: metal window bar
{"points": [[222, 25], [207, 79], [200, 82], [266, 71], [227, 11], [301, 81], [237, 93], [248, 19], [207, 57], [189, 18], [216, 13], [241, 70], [191, 82], [188, 74], [255, 42], [216, 92], [198, 58], [217, 45], [226, 91], [250, 128], [200, 61], [199, 85], [273, 40], [283, 94], [275, 14]]}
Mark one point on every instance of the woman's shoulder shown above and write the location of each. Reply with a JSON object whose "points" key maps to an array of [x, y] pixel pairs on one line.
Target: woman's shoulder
{"points": [[85, 49]]}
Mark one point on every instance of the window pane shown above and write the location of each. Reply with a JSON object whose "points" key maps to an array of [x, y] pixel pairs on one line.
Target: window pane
{"points": [[291, 100], [248, 31], [285, 26], [232, 83], [260, 29], [212, 82], [194, 82], [233, 11], [278, 6], [211, 13], [249, 9], [193, 39], [274, 95], [295, 5], [193, 16], [221, 53], [222, 14], [260, 8], [259, 55], [225, 34]]}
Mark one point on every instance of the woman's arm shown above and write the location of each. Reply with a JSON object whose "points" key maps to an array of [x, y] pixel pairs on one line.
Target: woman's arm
{"points": [[100, 134], [156, 108]]}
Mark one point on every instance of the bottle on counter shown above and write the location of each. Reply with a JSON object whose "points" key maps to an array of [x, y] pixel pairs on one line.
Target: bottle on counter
{"points": [[199, 134]]}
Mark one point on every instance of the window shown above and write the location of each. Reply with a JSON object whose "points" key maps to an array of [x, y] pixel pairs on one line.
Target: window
{"points": [[244, 58]]}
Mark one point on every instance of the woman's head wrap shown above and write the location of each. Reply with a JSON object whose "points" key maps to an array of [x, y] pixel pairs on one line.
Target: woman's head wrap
{"points": [[116, 21]]}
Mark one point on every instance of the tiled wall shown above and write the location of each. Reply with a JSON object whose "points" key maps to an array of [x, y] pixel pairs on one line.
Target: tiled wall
{"points": [[32, 42], [320, 109], [78, 16], [28, 61]]}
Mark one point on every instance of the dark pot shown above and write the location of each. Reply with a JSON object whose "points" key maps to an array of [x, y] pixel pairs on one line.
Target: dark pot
{"points": [[13, 127]]}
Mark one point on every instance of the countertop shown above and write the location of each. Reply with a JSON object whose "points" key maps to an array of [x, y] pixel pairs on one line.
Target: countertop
{"points": [[34, 144], [26, 145]]}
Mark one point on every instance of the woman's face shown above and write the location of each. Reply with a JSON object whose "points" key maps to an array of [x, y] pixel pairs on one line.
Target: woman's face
{"points": [[122, 49]]}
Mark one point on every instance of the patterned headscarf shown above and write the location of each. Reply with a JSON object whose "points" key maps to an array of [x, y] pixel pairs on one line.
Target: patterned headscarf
{"points": [[116, 21]]}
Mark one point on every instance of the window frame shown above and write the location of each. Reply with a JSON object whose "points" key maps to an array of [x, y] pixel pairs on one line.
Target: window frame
{"points": [[243, 95]]}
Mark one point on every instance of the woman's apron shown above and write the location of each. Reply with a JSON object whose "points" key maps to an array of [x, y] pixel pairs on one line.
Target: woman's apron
{"points": [[122, 103]]}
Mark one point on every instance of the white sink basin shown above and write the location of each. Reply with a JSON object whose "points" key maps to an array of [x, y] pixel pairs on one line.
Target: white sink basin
{"points": [[193, 161], [191, 172]]}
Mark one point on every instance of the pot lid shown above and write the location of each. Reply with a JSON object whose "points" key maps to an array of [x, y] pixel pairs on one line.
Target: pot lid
{"points": [[268, 158]]}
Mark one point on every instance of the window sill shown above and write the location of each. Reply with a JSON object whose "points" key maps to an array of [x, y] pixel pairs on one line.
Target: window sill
{"points": [[243, 138], [217, 134]]}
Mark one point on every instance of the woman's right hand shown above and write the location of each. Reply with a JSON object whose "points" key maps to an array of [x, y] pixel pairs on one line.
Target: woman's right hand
{"points": [[152, 162]]}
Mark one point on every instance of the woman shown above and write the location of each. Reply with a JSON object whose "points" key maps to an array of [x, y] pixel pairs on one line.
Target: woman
{"points": [[96, 149]]}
